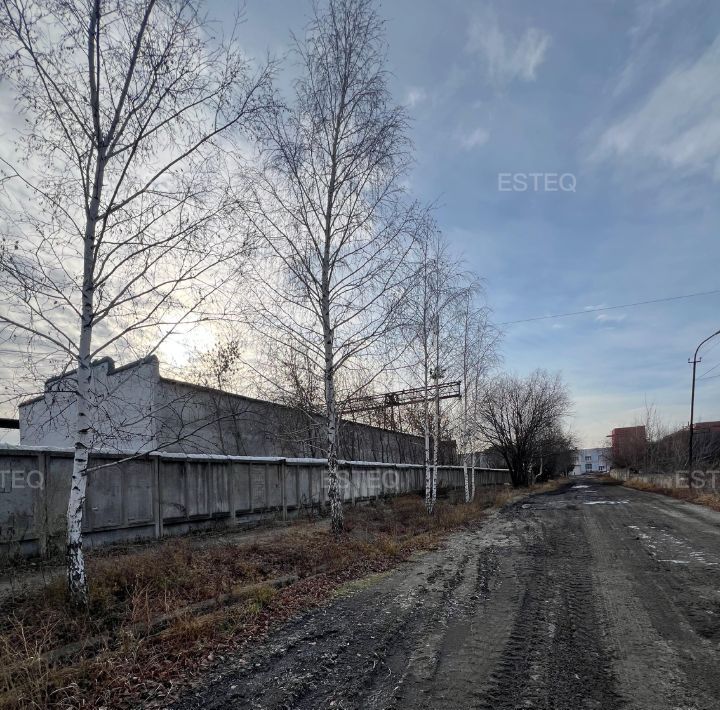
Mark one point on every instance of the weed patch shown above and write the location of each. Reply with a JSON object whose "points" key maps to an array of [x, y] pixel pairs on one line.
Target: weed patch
{"points": [[709, 500], [161, 614]]}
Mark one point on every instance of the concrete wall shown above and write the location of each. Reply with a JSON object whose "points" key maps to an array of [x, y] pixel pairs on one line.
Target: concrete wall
{"points": [[135, 409], [702, 482], [168, 494], [121, 408], [194, 419]]}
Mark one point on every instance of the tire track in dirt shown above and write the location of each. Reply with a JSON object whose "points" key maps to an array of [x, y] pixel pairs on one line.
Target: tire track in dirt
{"points": [[569, 601], [556, 632], [657, 608], [366, 646]]}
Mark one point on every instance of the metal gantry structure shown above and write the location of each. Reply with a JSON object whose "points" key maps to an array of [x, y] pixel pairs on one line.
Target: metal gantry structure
{"points": [[387, 401]]}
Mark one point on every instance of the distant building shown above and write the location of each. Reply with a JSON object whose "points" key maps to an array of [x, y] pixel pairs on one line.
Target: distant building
{"points": [[134, 409], [628, 445], [595, 460], [706, 427]]}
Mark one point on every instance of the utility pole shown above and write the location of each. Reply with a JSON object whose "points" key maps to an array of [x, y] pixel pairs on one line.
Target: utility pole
{"points": [[695, 360]]}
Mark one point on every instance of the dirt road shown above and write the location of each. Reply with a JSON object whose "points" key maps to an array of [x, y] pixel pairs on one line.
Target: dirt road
{"points": [[595, 596]]}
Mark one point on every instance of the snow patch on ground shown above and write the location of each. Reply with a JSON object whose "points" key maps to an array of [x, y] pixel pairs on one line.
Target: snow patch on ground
{"points": [[606, 502], [672, 545], [677, 562]]}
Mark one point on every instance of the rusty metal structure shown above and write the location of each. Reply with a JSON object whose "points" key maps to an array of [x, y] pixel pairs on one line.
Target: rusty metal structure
{"points": [[387, 401]]}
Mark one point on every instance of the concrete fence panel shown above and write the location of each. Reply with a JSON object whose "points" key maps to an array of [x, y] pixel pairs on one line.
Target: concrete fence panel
{"points": [[159, 494]]}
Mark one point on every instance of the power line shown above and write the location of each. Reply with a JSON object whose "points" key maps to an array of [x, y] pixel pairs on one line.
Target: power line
{"points": [[704, 375], [711, 348], [612, 308], [714, 377]]}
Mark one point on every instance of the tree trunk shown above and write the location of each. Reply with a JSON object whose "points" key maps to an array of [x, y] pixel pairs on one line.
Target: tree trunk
{"points": [[465, 475], [336, 511], [428, 467], [436, 447], [426, 427], [472, 474], [540, 474], [76, 575]]}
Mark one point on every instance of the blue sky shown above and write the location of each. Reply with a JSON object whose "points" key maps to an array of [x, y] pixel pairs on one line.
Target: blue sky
{"points": [[623, 95]]}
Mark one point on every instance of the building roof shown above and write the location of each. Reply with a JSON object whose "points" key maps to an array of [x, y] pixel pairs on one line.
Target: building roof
{"points": [[111, 370]]}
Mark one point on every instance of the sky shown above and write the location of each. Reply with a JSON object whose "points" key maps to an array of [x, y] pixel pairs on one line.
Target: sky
{"points": [[616, 104]]}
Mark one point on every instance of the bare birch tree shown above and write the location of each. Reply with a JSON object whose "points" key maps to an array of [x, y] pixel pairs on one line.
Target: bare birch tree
{"points": [[477, 355], [115, 211], [331, 206], [417, 329], [430, 328], [515, 414]]}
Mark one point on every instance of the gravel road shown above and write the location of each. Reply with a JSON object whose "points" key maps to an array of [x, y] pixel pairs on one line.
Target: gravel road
{"points": [[594, 596]]}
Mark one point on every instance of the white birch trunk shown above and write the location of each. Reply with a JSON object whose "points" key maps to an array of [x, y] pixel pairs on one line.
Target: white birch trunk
{"points": [[466, 375], [436, 447], [428, 468], [465, 476], [76, 577], [472, 474], [76, 574], [336, 511]]}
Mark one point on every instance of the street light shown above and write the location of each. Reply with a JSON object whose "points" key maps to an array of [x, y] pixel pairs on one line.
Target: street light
{"points": [[694, 363]]}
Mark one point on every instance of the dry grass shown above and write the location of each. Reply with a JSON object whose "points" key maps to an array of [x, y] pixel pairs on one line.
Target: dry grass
{"points": [[133, 659], [708, 499]]}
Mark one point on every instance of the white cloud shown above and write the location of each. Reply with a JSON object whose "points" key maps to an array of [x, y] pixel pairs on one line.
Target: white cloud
{"points": [[610, 318], [677, 125], [647, 13], [415, 95], [505, 57], [475, 138]]}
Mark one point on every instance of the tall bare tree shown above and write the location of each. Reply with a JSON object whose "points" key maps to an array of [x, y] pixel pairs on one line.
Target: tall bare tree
{"points": [[115, 212], [477, 355], [331, 206], [431, 317], [445, 295], [515, 415]]}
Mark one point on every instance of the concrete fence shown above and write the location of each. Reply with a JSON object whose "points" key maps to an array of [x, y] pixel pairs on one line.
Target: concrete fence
{"points": [[159, 494], [700, 480]]}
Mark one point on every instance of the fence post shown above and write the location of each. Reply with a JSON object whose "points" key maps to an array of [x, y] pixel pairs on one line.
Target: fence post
{"points": [[231, 492], [41, 512], [283, 493], [157, 495], [267, 487]]}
